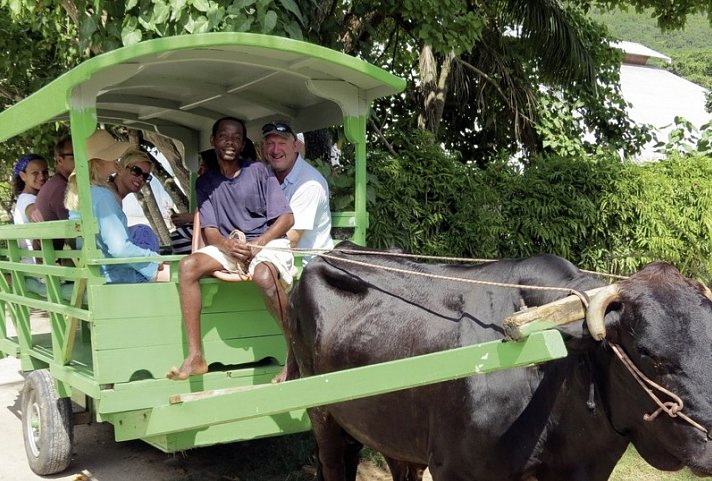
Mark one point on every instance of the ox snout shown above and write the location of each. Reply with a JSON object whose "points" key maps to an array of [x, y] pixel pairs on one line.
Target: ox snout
{"points": [[700, 474], [701, 466]]}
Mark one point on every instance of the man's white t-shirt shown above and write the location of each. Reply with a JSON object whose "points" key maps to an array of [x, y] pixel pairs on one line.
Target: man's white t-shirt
{"points": [[308, 196]]}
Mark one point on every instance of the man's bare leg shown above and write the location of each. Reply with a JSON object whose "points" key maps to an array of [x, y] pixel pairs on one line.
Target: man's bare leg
{"points": [[266, 278], [191, 270]]}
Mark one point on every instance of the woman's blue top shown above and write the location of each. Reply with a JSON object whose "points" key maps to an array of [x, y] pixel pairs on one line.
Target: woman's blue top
{"points": [[114, 240]]}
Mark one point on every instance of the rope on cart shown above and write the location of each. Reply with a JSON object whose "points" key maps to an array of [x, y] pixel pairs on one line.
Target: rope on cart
{"points": [[324, 253]]}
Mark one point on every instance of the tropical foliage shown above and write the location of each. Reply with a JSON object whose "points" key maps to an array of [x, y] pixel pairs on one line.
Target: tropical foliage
{"points": [[488, 82], [475, 70], [597, 211]]}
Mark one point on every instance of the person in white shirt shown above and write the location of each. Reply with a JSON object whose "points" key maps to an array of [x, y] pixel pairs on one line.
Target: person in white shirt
{"points": [[28, 177], [305, 188], [308, 195]]}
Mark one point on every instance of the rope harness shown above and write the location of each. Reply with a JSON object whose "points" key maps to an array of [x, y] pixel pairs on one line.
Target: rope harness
{"points": [[323, 253], [671, 408]]}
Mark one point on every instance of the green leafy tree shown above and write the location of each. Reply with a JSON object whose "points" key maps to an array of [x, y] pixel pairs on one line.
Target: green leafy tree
{"points": [[476, 70], [45, 38], [33, 53], [696, 66], [470, 69]]}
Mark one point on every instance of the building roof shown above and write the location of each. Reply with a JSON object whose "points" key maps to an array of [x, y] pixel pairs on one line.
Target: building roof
{"points": [[657, 96], [637, 53]]}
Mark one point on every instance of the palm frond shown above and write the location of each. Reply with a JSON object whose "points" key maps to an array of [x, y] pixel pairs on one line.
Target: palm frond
{"points": [[555, 35]]}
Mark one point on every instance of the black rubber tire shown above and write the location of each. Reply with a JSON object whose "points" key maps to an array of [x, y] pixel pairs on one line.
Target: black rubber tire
{"points": [[46, 425]]}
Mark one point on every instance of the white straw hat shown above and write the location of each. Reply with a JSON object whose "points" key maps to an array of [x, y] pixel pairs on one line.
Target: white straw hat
{"points": [[102, 145]]}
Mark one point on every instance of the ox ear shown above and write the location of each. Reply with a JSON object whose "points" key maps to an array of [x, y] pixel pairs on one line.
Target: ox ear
{"points": [[577, 335]]}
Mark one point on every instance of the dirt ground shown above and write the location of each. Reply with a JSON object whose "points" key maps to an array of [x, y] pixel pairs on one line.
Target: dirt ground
{"points": [[97, 457]]}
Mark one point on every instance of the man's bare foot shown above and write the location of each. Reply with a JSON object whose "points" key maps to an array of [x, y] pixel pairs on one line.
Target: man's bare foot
{"points": [[288, 372], [281, 377], [192, 366]]}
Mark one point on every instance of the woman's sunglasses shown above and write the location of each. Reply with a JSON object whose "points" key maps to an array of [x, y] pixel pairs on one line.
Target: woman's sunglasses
{"points": [[137, 172]]}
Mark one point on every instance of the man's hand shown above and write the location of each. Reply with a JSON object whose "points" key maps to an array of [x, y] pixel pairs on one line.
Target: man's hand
{"points": [[294, 235], [237, 249], [34, 214], [256, 245]]}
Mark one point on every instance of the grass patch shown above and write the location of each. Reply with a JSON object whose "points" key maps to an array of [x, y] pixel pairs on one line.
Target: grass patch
{"points": [[291, 458], [374, 456], [632, 467]]}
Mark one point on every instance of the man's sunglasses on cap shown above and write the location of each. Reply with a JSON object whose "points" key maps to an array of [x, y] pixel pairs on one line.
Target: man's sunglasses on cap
{"points": [[280, 127]]}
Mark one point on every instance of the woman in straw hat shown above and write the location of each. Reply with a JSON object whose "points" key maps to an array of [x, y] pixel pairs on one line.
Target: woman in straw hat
{"points": [[116, 169]]}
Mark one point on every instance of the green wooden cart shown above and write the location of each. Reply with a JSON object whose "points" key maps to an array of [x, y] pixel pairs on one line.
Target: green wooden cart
{"points": [[108, 350]]}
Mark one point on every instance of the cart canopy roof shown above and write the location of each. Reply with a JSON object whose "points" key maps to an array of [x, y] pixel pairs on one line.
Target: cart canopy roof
{"points": [[179, 86]]}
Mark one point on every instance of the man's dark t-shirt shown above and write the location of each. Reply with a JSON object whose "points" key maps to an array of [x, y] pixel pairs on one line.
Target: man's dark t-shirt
{"points": [[50, 202], [50, 199], [250, 202]]}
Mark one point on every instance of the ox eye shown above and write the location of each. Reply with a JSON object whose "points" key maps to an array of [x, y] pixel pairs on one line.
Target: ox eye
{"points": [[659, 364]]}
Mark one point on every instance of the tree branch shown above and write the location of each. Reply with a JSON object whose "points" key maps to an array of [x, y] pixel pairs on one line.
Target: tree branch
{"points": [[383, 139]]}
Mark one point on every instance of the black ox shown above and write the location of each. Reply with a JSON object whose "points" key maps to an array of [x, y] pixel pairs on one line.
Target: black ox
{"points": [[565, 420]]}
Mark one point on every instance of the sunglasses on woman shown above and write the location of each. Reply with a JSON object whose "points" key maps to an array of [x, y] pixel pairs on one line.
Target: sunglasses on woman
{"points": [[137, 172]]}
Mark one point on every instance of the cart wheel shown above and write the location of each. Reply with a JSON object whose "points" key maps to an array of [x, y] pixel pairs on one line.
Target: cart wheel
{"points": [[46, 424]]}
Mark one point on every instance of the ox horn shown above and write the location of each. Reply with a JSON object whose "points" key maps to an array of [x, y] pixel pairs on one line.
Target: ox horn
{"points": [[597, 310], [708, 293]]}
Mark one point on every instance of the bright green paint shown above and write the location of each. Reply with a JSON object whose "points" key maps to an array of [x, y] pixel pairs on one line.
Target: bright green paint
{"points": [[244, 430], [273, 399], [53, 100], [130, 335]]}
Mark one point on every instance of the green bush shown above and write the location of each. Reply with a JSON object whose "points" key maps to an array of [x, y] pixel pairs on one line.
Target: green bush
{"points": [[661, 210], [597, 211]]}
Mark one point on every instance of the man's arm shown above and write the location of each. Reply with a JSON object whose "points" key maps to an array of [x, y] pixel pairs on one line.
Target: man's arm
{"points": [[213, 237], [278, 229], [305, 205]]}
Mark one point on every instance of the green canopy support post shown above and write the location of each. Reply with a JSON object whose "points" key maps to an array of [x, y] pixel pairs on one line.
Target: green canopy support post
{"points": [[355, 129]]}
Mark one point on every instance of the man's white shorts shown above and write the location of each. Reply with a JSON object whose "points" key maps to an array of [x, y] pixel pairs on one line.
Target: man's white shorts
{"points": [[282, 259]]}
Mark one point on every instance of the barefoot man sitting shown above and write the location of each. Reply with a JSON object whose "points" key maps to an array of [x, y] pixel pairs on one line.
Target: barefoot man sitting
{"points": [[241, 195]]}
